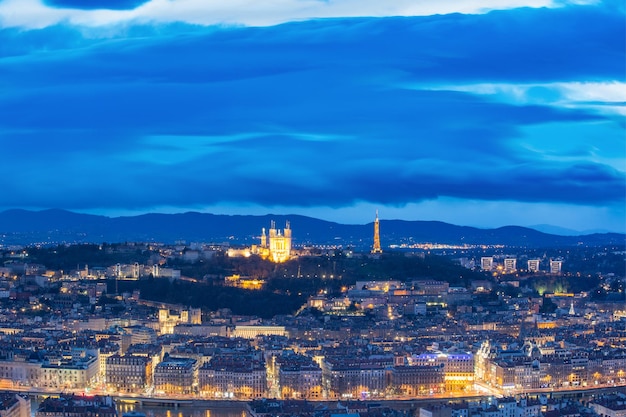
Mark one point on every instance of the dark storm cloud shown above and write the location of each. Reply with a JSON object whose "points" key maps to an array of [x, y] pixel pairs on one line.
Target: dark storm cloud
{"points": [[322, 112], [96, 4]]}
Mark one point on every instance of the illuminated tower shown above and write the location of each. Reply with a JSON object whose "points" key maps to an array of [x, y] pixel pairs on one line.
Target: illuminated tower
{"points": [[510, 265], [533, 265], [486, 263], [555, 266], [263, 239], [280, 243], [376, 247]]}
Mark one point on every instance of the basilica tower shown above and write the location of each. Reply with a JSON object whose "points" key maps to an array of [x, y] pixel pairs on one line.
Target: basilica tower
{"points": [[279, 243]]}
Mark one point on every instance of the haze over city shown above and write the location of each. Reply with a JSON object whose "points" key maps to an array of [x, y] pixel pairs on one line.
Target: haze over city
{"points": [[474, 113]]}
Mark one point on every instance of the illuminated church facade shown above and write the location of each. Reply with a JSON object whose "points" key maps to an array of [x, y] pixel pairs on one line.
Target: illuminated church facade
{"points": [[276, 245]]}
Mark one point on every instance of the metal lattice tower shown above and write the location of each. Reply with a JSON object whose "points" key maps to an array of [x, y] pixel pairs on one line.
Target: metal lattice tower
{"points": [[376, 247]]}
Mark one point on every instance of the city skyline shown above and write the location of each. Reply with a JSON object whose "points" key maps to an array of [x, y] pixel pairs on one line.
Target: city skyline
{"points": [[454, 112]]}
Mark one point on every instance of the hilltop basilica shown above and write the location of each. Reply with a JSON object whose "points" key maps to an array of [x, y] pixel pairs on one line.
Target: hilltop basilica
{"points": [[275, 245], [278, 249]]}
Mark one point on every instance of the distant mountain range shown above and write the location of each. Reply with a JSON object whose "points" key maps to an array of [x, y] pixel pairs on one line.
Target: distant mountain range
{"points": [[23, 227], [562, 231]]}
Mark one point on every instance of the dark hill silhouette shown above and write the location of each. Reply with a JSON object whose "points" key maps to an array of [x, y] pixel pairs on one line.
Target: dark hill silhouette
{"points": [[57, 226]]}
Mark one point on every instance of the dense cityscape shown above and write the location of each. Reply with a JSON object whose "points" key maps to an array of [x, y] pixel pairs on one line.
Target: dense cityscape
{"points": [[313, 208], [432, 322]]}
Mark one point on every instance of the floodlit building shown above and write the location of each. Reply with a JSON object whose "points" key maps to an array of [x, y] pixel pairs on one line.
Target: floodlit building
{"points": [[127, 271], [345, 377], [298, 376], [128, 373], [73, 373], [134, 335], [176, 375], [233, 376], [418, 379], [486, 263], [280, 243], [168, 319], [160, 272], [510, 265], [533, 265], [555, 266], [458, 368], [275, 246], [251, 332]]}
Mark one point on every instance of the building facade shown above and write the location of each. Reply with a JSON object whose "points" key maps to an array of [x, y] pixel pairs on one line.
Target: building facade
{"points": [[233, 376], [128, 373], [176, 376], [298, 376], [418, 380]]}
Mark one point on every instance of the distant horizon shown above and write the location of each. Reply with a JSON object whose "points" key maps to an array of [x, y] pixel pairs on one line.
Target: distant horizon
{"points": [[545, 228], [483, 114]]}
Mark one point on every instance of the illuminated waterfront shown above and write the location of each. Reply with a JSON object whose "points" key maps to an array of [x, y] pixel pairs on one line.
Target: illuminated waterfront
{"points": [[238, 409], [223, 409], [195, 411]]}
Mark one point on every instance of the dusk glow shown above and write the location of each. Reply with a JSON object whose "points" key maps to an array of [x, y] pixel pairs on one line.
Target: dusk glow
{"points": [[423, 110]]}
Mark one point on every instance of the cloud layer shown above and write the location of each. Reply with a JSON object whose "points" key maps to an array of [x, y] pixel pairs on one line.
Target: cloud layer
{"points": [[522, 105], [41, 13], [94, 4]]}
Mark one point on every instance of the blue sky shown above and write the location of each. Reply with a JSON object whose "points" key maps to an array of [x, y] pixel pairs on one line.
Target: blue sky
{"points": [[423, 110]]}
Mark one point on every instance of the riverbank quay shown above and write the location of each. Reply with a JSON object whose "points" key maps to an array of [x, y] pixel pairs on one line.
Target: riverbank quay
{"points": [[129, 402]]}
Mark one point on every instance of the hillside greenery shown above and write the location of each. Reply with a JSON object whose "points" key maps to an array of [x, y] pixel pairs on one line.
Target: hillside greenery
{"points": [[288, 285]]}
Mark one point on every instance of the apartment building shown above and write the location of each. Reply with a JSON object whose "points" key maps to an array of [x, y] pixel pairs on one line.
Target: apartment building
{"points": [[176, 376], [233, 376], [128, 373]]}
